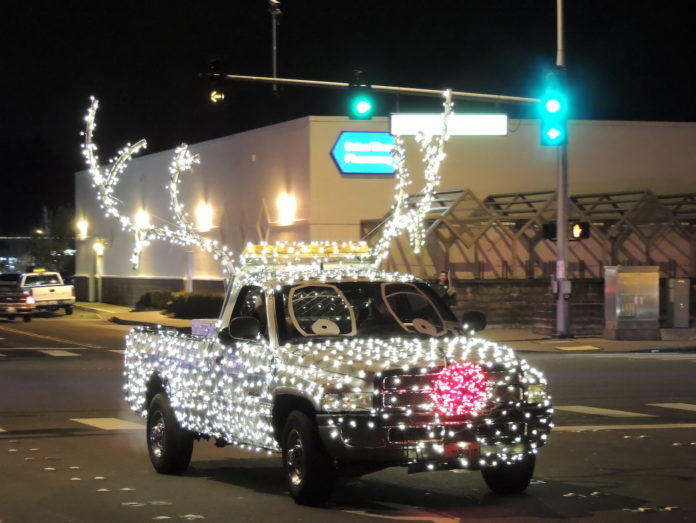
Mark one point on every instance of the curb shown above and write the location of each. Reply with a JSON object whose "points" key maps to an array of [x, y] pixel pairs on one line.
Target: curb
{"points": [[136, 323]]}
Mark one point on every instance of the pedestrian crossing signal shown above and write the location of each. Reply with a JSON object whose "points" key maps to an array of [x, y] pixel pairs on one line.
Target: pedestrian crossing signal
{"points": [[579, 230]]}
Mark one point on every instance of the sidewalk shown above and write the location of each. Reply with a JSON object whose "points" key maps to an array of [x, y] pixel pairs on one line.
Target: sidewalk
{"points": [[522, 340]]}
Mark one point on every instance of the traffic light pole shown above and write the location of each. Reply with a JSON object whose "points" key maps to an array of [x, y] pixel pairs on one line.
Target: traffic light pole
{"points": [[389, 89], [562, 282]]}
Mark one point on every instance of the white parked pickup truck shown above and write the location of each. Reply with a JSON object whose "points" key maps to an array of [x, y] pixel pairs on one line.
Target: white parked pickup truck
{"points": [[342, 368], [48, 290]]}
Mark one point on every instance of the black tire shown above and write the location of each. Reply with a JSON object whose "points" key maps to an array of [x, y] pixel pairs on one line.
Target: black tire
{"points": [[27, 318], [170, 446], [308, 468], [10, 317], [68, 310], [510, 479]]}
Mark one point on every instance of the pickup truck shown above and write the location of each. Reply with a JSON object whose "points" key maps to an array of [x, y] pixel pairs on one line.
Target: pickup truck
{"points": [[344, 370], [15, 302], [47, 288]]}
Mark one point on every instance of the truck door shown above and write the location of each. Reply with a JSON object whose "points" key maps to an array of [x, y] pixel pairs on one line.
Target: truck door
{"points": [[246, 366]]}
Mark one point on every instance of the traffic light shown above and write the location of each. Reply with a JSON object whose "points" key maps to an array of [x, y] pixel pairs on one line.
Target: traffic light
{"points": [[579, 230], [553, 110], [361, 103]]}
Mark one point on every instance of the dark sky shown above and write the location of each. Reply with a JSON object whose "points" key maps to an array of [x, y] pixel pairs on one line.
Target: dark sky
{"points": [[627, 60]]}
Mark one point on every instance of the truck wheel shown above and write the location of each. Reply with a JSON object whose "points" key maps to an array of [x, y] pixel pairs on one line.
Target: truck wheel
{"points": [[308, 467], [510, 479], [169, 445], [27, 318], [68, 309], [10, 317]]}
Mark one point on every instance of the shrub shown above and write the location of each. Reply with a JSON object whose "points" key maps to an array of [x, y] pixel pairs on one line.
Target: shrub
{"points": [[190, 305], [153, 300]]}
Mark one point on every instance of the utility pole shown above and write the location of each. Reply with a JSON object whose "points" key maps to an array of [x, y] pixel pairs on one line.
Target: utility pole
{"points": [[274, 9], [563, 289]]}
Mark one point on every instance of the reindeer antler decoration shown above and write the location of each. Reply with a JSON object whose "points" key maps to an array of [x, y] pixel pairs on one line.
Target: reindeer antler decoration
{"points": [[412, 219], [402, 219], [106, 181]]}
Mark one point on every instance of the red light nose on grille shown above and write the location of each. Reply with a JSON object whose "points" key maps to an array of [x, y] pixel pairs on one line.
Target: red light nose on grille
{"points": [[460, 389]]}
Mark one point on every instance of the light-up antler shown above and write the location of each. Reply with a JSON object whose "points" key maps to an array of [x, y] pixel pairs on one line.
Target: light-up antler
{"points": [[106, 180], [403, 217]]}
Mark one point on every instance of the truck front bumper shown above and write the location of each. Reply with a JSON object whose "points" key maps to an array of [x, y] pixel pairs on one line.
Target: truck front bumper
{"points": [[435, 444]]}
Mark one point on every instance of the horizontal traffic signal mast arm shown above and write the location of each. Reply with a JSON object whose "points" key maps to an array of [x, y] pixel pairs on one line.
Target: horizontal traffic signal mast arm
{"points": [[456, 95]]}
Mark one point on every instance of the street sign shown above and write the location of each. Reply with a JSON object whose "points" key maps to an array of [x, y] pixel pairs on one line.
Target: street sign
{"points": [[364, 153]]}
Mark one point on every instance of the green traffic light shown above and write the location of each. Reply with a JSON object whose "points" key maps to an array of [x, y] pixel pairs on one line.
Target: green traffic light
{"points": [[361, 104], [553, 111], [553, 105]]}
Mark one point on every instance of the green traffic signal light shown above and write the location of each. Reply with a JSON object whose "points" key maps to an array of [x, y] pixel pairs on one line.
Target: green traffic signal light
{"points": [[360, 103], [553, 109]]}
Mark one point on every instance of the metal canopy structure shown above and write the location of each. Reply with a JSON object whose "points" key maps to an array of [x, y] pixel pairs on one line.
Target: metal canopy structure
{"points": [[501, 236]]}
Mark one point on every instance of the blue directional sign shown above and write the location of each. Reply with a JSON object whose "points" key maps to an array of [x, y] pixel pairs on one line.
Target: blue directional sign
{"points": [[364, 153]]}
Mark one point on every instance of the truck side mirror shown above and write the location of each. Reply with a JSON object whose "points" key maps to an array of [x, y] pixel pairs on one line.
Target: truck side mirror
{"points": [[474, 320], [244, 328]]}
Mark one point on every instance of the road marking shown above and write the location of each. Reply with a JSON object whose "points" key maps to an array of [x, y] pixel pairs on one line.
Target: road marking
{"points": [[579, 428], [109, 423], [52, 338], [402, 510], [118, 351], [579, 348], [603, 412], [678, 406], [58, 353]]}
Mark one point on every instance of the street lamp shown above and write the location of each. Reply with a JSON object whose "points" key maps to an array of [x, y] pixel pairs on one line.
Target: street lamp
{"points": [[82, 226]]}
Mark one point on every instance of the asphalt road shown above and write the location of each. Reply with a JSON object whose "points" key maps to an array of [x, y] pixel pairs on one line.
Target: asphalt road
{"points": [[624, 448]]}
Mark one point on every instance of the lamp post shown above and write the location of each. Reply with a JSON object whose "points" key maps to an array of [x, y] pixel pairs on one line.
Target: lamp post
{"points": [[274, 9]]}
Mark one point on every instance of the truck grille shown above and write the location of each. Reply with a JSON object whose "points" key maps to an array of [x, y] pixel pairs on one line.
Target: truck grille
{"points": [[410, 390]]}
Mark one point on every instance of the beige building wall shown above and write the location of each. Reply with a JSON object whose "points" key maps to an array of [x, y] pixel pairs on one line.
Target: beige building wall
{"points": [[242, 175]]}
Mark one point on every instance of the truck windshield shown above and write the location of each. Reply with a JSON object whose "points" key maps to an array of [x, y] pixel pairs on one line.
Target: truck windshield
{"points": [[361, 309], [34, 280]]}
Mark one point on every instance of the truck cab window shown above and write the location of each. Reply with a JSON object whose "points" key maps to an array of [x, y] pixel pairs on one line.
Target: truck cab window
{"points": [[252, 302]]}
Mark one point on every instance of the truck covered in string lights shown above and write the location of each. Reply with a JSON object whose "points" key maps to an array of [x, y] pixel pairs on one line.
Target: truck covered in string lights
{"points": [[342, 368]]}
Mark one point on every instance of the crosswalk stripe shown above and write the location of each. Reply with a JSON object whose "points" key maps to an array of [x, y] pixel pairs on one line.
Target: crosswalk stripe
{"points": [[58, 353], [602, 412], [109, 423], [580, 428], [677, 406]]}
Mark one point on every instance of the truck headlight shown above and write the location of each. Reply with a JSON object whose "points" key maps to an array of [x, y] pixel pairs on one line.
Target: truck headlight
{"points": [[347, 401], [536, 392]]}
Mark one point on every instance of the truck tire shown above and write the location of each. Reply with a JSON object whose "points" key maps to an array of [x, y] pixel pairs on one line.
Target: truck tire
{"points": [[10, 317], [308, 468], [169, 445], [510, 479], [27, 318], [68, 309]]}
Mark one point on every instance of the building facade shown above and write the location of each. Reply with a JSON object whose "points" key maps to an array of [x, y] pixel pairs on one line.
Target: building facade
{"points": [[281, 183]]}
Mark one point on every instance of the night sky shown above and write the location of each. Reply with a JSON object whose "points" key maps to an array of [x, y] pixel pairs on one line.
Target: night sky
{"points": [[627, 60]]}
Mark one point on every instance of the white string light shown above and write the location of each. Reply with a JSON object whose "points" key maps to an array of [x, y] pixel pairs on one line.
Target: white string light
{"points": [[412, 218], [226, 391]]}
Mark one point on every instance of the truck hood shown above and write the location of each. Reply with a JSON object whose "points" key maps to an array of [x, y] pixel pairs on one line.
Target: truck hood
{"points": [[365, 358]]}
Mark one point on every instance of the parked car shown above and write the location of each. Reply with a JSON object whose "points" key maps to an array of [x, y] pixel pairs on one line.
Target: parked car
{"points": [[16, 302], [47, 288]]}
